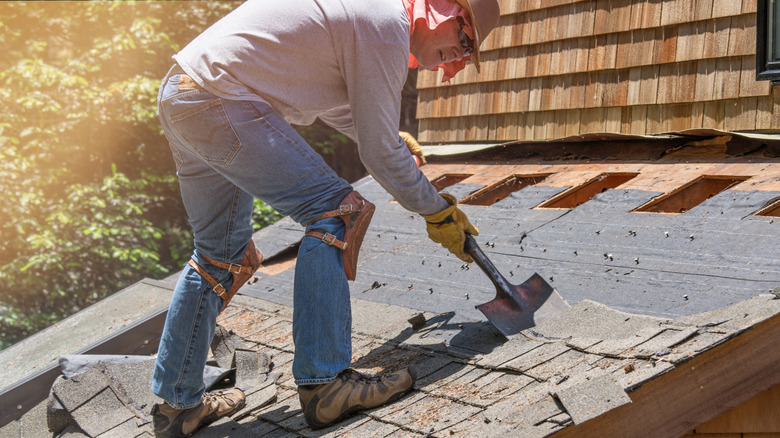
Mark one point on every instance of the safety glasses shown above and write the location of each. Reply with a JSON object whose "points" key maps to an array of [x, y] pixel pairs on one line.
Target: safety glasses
{"points": [[465, 41]]}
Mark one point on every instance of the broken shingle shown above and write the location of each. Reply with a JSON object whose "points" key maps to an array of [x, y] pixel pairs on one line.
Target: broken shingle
{"points": [[502, 354], [224, 344], [536, 357], [101, 413], [251, 368], [592, 321], [592, 398]]}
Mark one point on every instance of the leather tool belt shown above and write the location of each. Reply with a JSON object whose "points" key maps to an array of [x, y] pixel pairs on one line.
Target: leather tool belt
{"points": [[356, 212], [187, 83], [241, 272]]}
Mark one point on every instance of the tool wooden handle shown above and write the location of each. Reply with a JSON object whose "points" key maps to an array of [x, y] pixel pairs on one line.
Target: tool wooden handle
{"points": [[473, 249]]}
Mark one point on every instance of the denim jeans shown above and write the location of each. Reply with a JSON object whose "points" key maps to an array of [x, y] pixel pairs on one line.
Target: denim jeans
{"points": [[228, 152]]}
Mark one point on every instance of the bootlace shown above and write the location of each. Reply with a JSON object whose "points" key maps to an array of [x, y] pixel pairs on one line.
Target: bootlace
{"points": [[212, 399], [349, 373]]}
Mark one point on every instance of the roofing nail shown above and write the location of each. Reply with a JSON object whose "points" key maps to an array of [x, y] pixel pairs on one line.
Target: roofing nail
{"points": [[666, 233], [685, 297], [636, 259], [691, 237]]}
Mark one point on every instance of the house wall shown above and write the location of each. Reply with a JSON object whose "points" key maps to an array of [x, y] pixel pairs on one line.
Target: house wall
{"points": [[759, 417], [557, 68]]}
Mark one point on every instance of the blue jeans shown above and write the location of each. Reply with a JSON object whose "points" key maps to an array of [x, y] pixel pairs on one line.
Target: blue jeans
{"points": [[228, 152]]}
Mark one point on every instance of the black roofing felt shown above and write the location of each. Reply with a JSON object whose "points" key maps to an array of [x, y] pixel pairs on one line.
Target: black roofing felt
{"points": [[665, 265]]}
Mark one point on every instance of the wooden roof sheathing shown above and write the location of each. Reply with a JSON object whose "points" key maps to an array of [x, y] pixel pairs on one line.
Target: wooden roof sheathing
{"points": [[555, 69]]}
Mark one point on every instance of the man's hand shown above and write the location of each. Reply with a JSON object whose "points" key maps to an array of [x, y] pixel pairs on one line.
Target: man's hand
{"points": [[449, 227], [413, 146]]}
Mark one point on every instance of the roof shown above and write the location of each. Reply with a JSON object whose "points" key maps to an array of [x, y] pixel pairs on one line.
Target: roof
{"points": [[661, 302]]}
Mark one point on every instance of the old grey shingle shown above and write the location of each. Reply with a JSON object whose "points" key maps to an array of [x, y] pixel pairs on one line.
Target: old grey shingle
{"points": [[224, 344], [592, 398], [536, 356], [101, 413]]}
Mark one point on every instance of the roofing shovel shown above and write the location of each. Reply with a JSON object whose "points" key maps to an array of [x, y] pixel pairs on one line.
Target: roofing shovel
{"points": [[516, 307]]}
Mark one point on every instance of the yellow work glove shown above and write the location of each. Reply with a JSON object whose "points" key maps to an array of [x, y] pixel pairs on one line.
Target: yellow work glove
{"points": [[449, 227], [413, 146]]}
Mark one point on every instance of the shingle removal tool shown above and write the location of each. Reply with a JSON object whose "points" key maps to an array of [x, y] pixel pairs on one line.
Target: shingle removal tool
{"points": [[516, 307]]}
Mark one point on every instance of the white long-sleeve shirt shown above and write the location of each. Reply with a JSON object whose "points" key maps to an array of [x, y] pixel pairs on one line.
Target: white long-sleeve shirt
{"points": [[343, 61]]}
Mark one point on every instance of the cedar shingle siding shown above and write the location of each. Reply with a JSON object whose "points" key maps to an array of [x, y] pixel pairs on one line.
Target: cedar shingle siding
{"points": [[557, 68]]}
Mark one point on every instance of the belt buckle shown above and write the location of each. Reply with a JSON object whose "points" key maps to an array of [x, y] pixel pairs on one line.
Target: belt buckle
{"points": [[327, 236]]}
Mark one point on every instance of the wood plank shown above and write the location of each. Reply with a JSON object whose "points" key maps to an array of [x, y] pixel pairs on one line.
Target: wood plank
{"points": [[748, 85], [648, 89], [741, 114], [592, 120], [535, 94], [668, 83], [726, 8], [764, 113], [690, 41], [742, 38], [757, 415], [702, 10], [696, 391], [665, 52], [651, 14], [705, 80], [677, 11], [716, 39], [594, 90], [603, 53], [714, 114], [614, 119], [638, 120], [634, 84], [727, 74], [573, 118], [548, 92], [626, 47]]}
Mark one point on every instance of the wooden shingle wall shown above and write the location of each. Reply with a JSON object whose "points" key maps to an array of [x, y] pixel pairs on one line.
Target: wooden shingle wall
{"points": [[557, 68]]}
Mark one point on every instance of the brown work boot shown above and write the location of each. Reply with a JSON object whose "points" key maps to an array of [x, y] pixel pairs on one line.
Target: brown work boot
{"points": [[176, 423], [351, 392]]}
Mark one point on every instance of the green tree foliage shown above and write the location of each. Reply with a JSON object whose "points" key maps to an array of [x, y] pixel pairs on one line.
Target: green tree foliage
{"points": [[91, 201]]}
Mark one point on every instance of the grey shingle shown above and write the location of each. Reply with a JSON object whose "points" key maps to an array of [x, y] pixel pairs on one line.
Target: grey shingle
{"points": [[536, 356], [513, 348], [224, 344], [740, 315], [592, 398], [101, 413], [431, 414], [589, 321]]}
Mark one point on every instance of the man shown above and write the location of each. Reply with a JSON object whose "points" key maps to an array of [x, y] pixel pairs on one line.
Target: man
{"points": [[226, 107]]}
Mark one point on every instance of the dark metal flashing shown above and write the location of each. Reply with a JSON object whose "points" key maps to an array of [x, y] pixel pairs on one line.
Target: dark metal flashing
{"points": [[142, 337]]}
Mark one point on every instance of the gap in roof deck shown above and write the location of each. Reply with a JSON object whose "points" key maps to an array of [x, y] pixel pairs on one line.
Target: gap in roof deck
{"points": [[691, 194], [772, 209], [585, 192], [448, 179], [500, 190]]}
